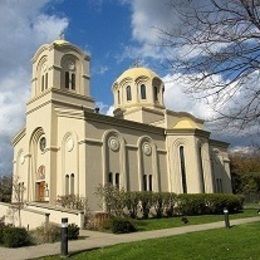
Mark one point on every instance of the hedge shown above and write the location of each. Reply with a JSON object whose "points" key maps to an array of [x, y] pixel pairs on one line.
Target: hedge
{"points": [[165, 204]]}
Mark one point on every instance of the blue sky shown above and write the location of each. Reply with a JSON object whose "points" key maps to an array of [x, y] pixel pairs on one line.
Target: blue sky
{"points": [[101, 29], [114, 32]]}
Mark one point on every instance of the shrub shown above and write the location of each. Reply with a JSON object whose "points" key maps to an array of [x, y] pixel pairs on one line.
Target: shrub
{"points": [[113, 198], [73, 202], [122, 225], [47, 234], [132, 200], [198, 204], [15, 237], [157, 203], [146, 203], [169, 203], [192, 204], [73, 232], [100, 221]]}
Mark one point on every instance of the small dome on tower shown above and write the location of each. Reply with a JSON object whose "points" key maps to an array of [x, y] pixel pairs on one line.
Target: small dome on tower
{"points": [[136, 90], [61, 42], [137, 72]]}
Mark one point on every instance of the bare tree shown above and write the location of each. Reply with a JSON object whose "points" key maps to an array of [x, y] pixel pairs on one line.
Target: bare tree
{"points": [[217, 51], [18, 197]]}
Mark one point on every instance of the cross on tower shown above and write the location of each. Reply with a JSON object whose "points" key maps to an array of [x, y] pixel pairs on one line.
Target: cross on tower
{"points": [[137, 63]]}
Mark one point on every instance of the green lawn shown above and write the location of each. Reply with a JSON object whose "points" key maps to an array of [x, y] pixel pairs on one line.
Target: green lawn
{"points": [[240, 242], [154, 224]]}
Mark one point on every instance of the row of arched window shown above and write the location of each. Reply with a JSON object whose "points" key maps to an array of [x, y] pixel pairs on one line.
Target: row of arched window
{"points": [[70, 184], [114, 179], [142, 93]]}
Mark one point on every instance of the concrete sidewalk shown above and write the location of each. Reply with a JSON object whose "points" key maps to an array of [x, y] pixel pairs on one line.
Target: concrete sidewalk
{"points": [[93, 239]]}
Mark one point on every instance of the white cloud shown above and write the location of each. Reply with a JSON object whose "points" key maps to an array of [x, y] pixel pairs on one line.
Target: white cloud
{"points": [[177, 99], [24, 27], [104, 108], [110, 111]]}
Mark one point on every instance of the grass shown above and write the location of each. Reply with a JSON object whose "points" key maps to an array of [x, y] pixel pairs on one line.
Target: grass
{"points": [[240, 242], [155, 224]]}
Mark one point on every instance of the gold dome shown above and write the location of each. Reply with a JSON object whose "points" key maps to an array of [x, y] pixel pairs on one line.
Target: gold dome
{"points": [[137, 72]]}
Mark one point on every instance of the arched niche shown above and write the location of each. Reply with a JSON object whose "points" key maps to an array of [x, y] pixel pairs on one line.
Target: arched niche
{"points": [[114, 157], [147, 163], [37, 165], [70, 163], [176, 164]]}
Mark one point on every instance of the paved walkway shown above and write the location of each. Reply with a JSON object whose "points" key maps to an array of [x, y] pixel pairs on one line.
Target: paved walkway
{"points": [[95, 239]]}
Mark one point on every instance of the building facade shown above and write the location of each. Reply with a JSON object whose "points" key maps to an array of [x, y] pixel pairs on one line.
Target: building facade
{"points": [[68, 147]]}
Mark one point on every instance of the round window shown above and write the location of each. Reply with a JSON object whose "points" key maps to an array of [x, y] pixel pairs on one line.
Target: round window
{"points": [[42, 144]]}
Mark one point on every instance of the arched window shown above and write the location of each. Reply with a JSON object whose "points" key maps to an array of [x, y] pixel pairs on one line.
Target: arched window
{"points": [[42, 85], [110, 178], [46, 80], [183, 170], [67, 80], [73, 81], [201, 170], [150, 182], [155, 93], [118, 97], [128, 93], [72, 184], [67, 184], [143, 91], [145, 182], [69, 72], [117, 180]]}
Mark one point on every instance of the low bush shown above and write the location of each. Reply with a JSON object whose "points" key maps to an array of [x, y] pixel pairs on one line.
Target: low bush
{"points": [[46, 233], [100, 222], [73, 232], [122, 225], [199, 204], [132, 200], [114, 198], [15, 237], [159, 204], [73, 202], [146, 203]]}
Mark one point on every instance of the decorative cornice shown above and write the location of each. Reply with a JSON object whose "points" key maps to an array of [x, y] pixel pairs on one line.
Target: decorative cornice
{"points": [[52, 149], [113, 121], [91, 141], [187, 131], [86, 76], [218, 143], [19, 136], [185, 114]]}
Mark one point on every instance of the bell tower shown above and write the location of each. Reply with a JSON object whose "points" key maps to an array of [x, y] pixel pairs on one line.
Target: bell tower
{"points": [[63, 68], [60, 95]]}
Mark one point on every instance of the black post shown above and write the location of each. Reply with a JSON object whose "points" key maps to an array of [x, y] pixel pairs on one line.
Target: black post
{"points": [[226, 214], [64, 236]]}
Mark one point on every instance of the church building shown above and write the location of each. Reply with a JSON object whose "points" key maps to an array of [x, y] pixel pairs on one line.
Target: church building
{"points": [[68, 147]]}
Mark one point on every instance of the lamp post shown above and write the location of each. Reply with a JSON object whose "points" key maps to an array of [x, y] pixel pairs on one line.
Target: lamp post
{"points": [[226, 215], [64, 236]]}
